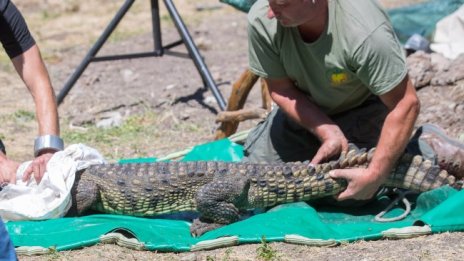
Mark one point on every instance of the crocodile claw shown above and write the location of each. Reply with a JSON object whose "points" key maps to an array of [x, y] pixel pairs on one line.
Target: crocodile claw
{"points": [[199, 227]]}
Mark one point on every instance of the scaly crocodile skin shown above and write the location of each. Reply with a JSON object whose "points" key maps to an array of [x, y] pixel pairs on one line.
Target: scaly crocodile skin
{"points": [[219, 190]]}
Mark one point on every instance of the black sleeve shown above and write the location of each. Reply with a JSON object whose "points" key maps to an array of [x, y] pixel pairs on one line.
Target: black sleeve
{"points": [[2, 147], [14, 34]]}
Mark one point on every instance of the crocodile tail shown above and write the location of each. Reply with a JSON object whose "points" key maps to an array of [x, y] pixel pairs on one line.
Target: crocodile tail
{"points": [[418, 174]]}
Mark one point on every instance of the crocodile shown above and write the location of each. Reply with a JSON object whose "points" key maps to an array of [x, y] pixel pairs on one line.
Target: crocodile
{"points": [[221, 191]]}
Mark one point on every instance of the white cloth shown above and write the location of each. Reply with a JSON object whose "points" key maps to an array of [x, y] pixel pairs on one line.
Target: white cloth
{"points": [[448, 39], [51, 197]]}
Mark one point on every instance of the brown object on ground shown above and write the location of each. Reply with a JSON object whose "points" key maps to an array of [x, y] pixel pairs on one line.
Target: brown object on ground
{"points": [[240, 90], [266, 96], [241, 115]]}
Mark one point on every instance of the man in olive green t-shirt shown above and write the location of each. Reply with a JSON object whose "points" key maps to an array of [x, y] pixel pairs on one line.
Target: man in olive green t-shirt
{"points": [[337, 73]]}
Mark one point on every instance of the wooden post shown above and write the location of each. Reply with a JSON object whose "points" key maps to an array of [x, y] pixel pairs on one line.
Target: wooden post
{"points": [[241, 115], [266, 96], [238, 96]]}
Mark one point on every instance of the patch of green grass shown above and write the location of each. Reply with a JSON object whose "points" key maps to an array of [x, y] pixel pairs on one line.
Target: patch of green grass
{"points": [[47, 15], [165, 18], [121, 35], [227, 255], [23, 115], [187, 127], [266, 252], [132, 128], [133, 138], [5, 63], [146, 134], [210, 258], [19, 117], [53, 254]]}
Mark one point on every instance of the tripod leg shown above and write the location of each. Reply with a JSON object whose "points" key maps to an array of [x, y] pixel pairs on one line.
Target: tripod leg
{"points": [[156, 25], [94, 50], [194, 53]]}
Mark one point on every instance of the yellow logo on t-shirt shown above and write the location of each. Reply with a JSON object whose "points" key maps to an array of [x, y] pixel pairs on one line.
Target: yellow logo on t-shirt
{"points": [[338, 77]]}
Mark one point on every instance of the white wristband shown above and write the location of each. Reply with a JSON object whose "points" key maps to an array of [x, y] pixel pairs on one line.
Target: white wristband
{"points": [[47, 142]]}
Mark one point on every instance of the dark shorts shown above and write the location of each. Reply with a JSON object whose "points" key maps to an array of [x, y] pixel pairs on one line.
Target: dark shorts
{"points": [[280, 139]]}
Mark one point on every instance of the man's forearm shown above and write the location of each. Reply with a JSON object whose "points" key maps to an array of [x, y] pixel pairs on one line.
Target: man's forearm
{"points": [[32, 70], [46, 111], [298, 107], [395, 134]]}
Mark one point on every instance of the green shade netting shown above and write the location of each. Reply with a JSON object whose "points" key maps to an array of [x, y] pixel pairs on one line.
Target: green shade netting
{"points": [[242, 5], [414, 19], [441, 209], [421, 18]]}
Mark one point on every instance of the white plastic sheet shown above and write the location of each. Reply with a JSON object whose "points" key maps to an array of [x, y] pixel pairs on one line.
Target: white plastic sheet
{"points": [[448, 39]]}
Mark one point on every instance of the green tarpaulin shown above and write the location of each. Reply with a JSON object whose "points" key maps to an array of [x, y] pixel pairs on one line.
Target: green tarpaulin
{"points": [[432, 212]]}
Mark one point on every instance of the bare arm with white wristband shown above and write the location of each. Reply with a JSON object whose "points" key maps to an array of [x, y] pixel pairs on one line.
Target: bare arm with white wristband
{"points": [[47, 143]]}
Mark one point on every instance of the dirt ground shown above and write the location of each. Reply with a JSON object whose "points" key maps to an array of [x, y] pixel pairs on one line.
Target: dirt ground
{"points": [[165, 95]]}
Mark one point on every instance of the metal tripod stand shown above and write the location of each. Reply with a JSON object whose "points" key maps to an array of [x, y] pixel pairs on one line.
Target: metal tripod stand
{"points": [[159, 49]]}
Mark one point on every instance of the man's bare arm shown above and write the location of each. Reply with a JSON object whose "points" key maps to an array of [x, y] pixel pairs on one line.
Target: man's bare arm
{"points": [[32, 71], [298, 107], [403, 106]]}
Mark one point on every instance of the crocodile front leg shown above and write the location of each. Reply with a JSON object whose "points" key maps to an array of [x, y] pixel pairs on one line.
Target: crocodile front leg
{"points": [[219, 203]]}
